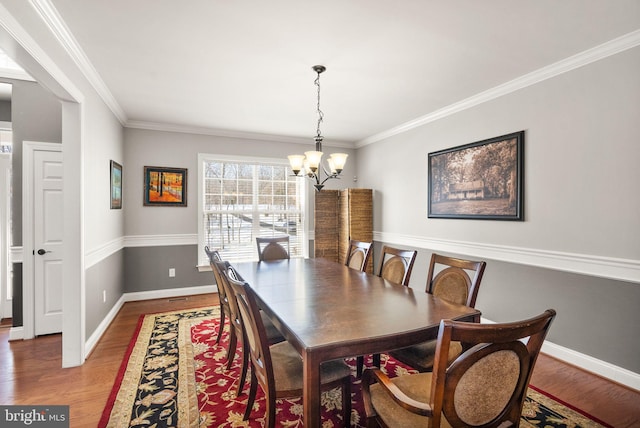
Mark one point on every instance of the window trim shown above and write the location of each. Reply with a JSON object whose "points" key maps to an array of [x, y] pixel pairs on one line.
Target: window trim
{"points": [[253, 159]]}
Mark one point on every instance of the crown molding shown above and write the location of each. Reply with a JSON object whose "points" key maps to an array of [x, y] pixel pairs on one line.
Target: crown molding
{"points": [[9, 73], [13, 28], [612, 47], [584, 264], [201, 130], [57, 26]]}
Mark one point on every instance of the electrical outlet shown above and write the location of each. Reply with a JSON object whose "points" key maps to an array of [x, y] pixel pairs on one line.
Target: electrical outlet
{"points": [[104, 296], [172, 273]]}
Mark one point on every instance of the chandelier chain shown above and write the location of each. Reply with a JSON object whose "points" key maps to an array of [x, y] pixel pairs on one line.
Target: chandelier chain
{"points": [[320, 113]]}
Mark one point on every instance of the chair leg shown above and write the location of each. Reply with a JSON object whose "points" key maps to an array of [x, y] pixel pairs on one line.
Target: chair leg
{"points": [[346, 401], [253, 389], [243, 374], [231, 351], [222, 320], [270, 411], [359, 366], [376, 360]]}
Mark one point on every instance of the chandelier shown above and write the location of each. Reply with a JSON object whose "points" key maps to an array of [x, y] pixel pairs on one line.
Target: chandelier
{"points": [[310, 164]]}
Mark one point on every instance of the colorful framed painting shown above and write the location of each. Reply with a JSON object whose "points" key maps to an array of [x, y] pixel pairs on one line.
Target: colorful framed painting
{"points": [[116, 185], [165, 186], [481, 180]]}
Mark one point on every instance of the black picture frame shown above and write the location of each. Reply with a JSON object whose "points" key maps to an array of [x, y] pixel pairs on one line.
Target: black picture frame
{"points": [[116, 185], [165, 186], [482, 180]]}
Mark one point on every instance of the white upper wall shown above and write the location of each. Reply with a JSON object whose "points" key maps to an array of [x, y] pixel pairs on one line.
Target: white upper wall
{"points": [[581, 174], [180, 150]]}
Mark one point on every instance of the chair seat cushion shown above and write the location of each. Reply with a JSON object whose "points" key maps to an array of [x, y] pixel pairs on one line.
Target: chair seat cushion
{"points": [[421, 356], [416, 386], [287, 369]]}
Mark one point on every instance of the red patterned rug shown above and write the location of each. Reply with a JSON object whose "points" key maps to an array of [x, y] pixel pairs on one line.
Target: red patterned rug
{"points": [[174, 375]]}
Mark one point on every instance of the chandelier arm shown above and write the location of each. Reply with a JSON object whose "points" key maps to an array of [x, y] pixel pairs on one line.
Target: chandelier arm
{"points": [[326, 172], [329, 177]]}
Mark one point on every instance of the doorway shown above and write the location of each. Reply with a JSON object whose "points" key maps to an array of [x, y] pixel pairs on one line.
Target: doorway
{"points": [[16, 41], [6, 289]]}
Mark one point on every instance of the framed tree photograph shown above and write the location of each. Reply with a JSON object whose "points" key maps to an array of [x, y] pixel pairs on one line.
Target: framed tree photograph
{"points": [[116, 185], [165, 186], [481, 180]]}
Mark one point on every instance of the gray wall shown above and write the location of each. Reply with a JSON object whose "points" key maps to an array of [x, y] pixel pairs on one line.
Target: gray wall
{"points": [[5, 111], [588, 307], [108, 275], [581, 198], [147, 268]]}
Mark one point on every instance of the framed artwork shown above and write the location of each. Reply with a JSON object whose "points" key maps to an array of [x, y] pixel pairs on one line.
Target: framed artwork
{"points": [[481, 180], [165, 186], [116, 185]]}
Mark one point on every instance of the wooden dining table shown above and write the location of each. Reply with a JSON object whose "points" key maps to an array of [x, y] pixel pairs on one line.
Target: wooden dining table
{"points": [[328, 311]]}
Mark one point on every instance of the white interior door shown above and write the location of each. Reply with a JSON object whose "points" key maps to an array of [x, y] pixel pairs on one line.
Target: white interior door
{"points": [[47, 241]]}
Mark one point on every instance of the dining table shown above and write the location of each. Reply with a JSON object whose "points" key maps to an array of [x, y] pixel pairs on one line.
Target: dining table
{"points": [[329, 311]]}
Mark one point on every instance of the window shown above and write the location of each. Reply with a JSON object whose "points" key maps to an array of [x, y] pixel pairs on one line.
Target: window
{"points": [[242, 198]]}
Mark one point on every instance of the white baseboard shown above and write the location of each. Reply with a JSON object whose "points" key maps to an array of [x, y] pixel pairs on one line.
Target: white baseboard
{"points": [[593, 365], [601, 368], [102, 327], [172, 292], [16, 333], [132, 297]]}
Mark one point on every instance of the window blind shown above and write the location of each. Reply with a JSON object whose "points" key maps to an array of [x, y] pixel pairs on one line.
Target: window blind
{"points": [[241, 200]]}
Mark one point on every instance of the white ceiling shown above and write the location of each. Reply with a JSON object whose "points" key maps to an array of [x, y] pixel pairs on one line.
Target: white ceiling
{"points": [[245, 66]]}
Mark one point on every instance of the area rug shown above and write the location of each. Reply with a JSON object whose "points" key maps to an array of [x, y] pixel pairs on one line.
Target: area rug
{"points": [[174, 375]]}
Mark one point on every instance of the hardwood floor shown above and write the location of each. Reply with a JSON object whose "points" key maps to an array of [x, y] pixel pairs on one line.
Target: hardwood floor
{"points": [[31, 372]]}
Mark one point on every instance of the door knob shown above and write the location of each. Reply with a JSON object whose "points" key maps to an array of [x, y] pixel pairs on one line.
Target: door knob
{"points": [[42, 252]]}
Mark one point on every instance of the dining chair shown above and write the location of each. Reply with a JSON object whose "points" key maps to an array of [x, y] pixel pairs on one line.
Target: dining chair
{"points": [[273, 248], [278, 368], [358, 255], [453, 283], [484, 387], [225, 311], [223, 271], [395, 265]]}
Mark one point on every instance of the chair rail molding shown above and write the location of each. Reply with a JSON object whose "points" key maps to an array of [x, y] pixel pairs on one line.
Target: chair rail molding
{"points": [[585, 264], [100, 253], [160, 240], [16, 254]]}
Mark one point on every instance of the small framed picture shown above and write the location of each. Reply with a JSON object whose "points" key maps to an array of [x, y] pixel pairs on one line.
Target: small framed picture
{"points": [[165, 186], [481, 180], [116, 185]]}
